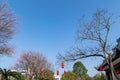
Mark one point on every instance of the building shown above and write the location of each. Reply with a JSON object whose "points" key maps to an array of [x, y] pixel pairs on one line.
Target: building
{"points": [[115, 61], [57, 77]]}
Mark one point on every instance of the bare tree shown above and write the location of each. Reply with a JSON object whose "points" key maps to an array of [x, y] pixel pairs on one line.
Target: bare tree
{"points": [[7, 28], [32, 62], [96, 32]]}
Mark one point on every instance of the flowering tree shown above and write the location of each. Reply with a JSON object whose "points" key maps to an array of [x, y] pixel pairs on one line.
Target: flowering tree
{"points": [[32, 62], [46, 74]]}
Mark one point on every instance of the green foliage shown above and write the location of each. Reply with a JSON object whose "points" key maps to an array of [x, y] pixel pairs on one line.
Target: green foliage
{"points": [[69, 76], [79, 69], [85, 77], [6, 74], [21, 78], [103, 77], [46, 75], [99, 77], [81, 72]]}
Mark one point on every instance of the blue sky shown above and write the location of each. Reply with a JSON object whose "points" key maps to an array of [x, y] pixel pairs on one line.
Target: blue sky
{"points": [[49, 26]]}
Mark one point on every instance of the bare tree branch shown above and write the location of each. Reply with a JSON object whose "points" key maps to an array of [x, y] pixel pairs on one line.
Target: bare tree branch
{"points": [[96, 30], [7, 28]]}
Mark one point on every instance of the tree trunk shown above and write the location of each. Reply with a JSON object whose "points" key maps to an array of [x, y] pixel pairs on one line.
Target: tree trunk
{"points": [[114, 76], [112, 71]]}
